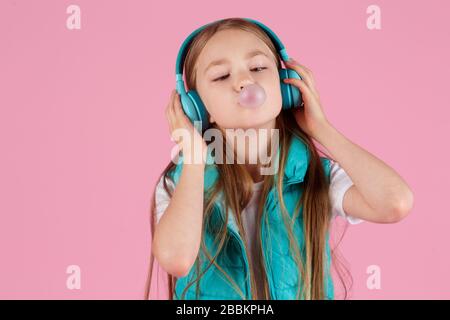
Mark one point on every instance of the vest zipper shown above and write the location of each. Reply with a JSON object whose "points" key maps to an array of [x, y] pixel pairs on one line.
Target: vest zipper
{"points": [[239, 240], [247, 282], [269, 271]]}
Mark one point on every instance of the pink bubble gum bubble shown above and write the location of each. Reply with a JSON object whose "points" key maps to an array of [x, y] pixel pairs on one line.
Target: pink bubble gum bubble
{"points": [[252, 96]]}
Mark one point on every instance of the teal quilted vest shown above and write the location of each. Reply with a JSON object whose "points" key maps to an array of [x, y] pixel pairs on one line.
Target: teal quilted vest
{"points": [[282, 274]]}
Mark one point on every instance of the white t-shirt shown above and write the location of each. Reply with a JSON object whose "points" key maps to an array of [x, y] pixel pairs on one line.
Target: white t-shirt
{"points": [[340, 182]]}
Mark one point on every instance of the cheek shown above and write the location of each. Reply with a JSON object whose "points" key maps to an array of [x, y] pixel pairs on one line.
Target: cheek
{"points": [[222, 111], [218, 104], [273, 91], [270, 80]]}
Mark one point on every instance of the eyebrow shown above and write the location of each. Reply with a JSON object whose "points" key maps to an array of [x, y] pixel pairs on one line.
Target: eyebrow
{"points": [[224, 60]]}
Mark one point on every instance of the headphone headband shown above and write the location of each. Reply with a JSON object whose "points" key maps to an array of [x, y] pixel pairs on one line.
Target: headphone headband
{"points": [[183, 49]]}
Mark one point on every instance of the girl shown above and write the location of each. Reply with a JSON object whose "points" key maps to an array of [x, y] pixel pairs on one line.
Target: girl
{"points": [[224, 231]]}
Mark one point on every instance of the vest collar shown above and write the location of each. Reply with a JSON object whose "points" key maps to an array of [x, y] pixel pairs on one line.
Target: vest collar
{"points": [[297, 161], [294, 171]]}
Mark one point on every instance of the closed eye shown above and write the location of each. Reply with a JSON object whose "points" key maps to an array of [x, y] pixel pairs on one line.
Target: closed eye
{"points": [[226, 76]]}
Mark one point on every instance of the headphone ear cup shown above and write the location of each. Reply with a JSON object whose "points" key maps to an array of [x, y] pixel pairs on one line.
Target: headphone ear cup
{"points": [[291, 95], [194, 108]]}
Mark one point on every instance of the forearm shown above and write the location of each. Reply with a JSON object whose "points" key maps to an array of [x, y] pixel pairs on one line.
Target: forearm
{"points": [[178, 233], [381, 187]]}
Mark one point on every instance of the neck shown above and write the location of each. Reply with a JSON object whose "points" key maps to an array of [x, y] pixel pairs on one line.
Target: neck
{"points": [[255, 150]]}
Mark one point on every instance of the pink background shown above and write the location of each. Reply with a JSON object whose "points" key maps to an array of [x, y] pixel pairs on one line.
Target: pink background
{"points": [[84, 135]]}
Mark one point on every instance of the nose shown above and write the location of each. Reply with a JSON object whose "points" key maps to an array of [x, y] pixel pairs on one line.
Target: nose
{"points": [[243, 80]]}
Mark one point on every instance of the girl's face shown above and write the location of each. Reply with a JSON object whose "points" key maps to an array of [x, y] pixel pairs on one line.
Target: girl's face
{"points": [[231, 60]]}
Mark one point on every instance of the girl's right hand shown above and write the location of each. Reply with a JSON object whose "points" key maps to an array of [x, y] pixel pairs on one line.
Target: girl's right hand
{"points": [[177, 119]]}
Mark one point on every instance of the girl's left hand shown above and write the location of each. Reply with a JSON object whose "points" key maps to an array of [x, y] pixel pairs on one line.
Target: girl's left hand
{"points": [[310, 117]]}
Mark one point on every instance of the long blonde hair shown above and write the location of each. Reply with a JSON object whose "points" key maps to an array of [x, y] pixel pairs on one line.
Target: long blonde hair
{"points": [[236, 184]]}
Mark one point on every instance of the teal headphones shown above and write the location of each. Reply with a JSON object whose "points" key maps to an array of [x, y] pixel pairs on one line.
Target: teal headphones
{"points": [[193, 106]]}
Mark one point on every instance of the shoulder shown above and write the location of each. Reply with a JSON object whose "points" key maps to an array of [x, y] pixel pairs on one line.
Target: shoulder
{"points": [[340, 182], [327, 164], [338, 176], [162, 197], [339, 179]]}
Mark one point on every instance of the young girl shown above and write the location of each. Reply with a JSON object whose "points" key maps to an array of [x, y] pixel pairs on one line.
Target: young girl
{"points": [[225, 231]]}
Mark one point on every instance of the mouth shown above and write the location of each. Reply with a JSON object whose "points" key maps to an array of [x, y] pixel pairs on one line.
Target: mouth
{"points": [[252, 97]]}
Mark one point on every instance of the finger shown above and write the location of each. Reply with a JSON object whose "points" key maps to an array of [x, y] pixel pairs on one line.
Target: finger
{"points": [[306, 75], [169, 105], [304, 72], [177, 105], [303, 87], [170, 113], [181, 116], [170, 123], [175, 111], [172, 101], [294, 62]]}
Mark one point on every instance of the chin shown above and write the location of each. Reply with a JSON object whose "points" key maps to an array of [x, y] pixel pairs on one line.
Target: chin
{"points": [[254, 123]]}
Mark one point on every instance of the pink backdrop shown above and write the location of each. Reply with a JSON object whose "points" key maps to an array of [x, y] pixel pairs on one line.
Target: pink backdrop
{"points": [[84, 135]]}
